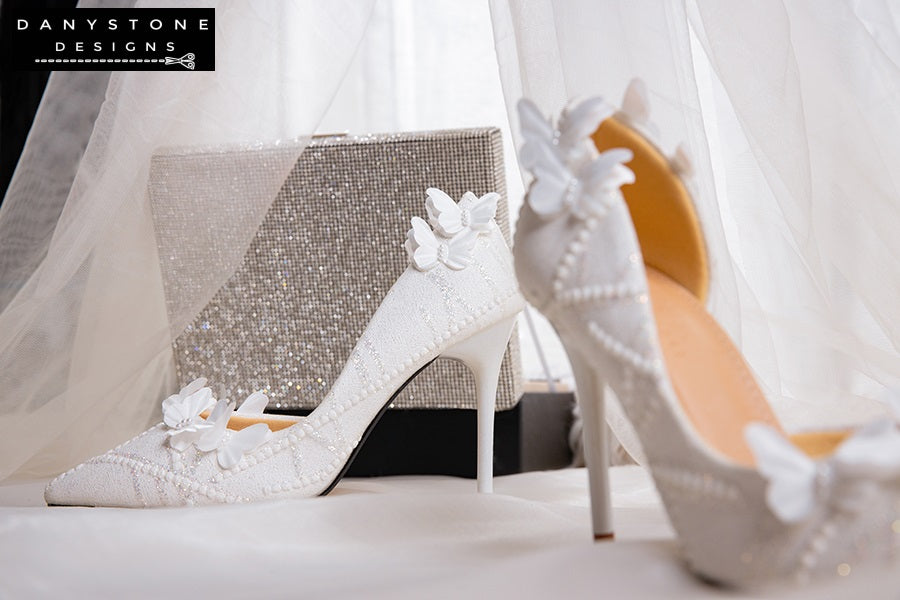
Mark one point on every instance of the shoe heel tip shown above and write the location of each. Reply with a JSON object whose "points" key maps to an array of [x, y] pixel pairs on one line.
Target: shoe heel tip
{"points": [[604, 537]]}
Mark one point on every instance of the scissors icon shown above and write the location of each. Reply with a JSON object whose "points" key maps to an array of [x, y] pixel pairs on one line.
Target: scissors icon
{"points": [[186, 61]]}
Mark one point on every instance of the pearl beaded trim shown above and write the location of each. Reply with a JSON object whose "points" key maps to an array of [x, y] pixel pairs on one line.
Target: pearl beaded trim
{"points": [[598, 292], [575, 248], [161, 473], [651, 367]]}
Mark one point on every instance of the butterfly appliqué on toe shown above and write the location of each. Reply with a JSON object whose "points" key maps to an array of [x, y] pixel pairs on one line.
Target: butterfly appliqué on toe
{"points": [[797, 483], [182, 415]]}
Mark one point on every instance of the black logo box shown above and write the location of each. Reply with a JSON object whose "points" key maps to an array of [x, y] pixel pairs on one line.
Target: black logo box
{"points": [[103, 39]]}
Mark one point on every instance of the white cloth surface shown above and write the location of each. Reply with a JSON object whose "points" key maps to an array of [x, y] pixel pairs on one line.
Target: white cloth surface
{"points": [[399, 537]]}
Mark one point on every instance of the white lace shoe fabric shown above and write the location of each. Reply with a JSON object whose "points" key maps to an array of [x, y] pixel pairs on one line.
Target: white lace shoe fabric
{"points": [[578, 260], [459, 283]]}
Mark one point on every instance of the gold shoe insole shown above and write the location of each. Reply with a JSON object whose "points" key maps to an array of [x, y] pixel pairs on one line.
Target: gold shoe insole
{"points": [[275, 422], [661, 209], [715, 387]]}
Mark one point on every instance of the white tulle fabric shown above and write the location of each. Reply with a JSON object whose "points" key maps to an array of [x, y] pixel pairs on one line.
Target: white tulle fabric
{"points": [[85, 339], [788, 113]]}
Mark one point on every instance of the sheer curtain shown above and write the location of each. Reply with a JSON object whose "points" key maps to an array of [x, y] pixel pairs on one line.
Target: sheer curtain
{"points": [[85, 338], [788, 111]]}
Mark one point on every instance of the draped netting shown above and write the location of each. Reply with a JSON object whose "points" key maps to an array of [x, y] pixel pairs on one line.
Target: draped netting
{"points": [[85, 335], [788, 111]]}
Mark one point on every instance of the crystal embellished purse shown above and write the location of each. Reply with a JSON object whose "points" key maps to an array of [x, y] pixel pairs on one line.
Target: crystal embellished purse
{"points": [[335, 264]]}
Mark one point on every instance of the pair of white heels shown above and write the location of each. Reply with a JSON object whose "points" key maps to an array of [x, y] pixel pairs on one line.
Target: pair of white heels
{"points": [[747, 504]]}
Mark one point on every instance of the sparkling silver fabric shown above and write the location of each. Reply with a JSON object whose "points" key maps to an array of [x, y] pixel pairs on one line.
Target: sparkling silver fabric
{"points": [[324, 257]]}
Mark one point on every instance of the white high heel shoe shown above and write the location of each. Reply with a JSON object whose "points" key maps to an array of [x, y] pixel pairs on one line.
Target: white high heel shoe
{"points": [[457, 299], [749, 506]]}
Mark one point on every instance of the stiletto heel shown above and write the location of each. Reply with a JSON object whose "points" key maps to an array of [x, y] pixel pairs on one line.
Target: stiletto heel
{"points": [[589, 391], [457, 298], [748, 505], [483, 354]]}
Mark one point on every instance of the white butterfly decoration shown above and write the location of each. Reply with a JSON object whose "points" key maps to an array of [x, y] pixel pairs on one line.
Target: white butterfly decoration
{"points": [[426, 250], [586, 191], [456, 229], [230, 446], [449, 218], [797, 483], [181, 413], [569, 175], [569, 140], [636, 105]]}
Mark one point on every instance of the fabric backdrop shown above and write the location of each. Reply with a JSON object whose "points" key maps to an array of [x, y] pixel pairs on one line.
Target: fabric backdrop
{"points": [[85, 339]]}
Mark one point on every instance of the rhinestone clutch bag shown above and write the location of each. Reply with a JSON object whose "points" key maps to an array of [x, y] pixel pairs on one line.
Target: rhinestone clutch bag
{"points": [[287, 326]]}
